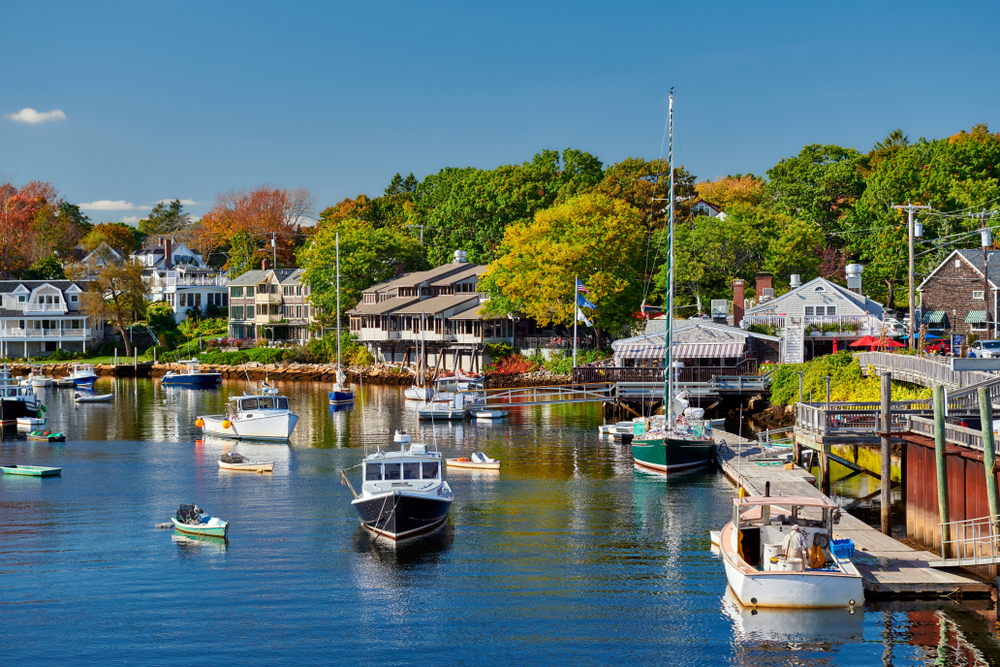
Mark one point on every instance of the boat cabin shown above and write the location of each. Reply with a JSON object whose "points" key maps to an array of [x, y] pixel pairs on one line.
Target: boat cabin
{"points": [[416, 469], [251, 403], [764, 522]]}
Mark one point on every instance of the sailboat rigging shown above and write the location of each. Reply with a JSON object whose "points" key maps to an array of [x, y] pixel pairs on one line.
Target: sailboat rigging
{"points": [[339, 395]]}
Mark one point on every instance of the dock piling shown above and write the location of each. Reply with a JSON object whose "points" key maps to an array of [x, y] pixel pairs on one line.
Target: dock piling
{"points": [[941, 465], [989, 450], [886, 473]]}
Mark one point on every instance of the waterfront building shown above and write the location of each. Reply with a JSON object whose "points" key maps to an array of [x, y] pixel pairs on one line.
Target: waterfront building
{"points": [[960, 294], [271, 303], [38, 317], [178, 275]]}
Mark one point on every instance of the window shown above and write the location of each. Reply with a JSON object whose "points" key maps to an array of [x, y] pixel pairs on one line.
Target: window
{"points": [[430, 470], [197, 300], [236, 312], [810, 311], [281, 403], [373, 472], [266, 403], [286, 291], [248, 404], [249, 290], [225, 299], [979, 295], [411, 471], [298, 290], [21, 298], [74, 298], [274, 288], [298, 312], [391, 470], [830, 310]]}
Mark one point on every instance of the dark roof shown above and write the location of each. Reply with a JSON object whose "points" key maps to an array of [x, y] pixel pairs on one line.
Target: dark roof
{"points": [[420, 277], [382, 307], [438, 304], [975, 257], [8, 286], [475, 270], [258, 275]]}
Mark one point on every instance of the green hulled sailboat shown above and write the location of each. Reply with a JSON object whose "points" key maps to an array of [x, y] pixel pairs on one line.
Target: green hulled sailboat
{"points": [[680, 439]]}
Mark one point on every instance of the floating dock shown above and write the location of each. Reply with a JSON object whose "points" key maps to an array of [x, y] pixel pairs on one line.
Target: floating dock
{"points": [[890, 568]]}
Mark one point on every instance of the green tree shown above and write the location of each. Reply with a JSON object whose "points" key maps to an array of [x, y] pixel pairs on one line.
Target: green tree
{"points": [[821, 183], [165, 218], [46, 268], [160, 315], [117, 295], [599, 239], [368, 255], [244, 253]]}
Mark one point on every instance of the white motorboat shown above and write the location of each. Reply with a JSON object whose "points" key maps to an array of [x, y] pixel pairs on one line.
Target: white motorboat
{"points": [[416, 393], [93, 398], [258, 415], [448, 385], [83, 374], [778, 551], [29, 422], [403, 493], [478, 461], [233, 461], [38, 378]]}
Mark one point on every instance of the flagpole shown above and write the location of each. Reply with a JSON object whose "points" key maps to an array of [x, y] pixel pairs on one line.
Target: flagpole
{"points": [[576, 279]]}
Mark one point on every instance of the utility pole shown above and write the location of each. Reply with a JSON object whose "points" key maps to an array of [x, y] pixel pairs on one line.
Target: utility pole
{"points": [[985, 242], [910, 208], [421, 232], [274, 247]]}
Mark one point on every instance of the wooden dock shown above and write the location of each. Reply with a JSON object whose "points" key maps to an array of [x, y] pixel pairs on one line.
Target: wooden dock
{"points": [[890, 568]]}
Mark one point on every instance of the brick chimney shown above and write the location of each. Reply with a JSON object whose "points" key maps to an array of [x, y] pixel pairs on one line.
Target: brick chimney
{"points": [[168, 252], [763, 283], [265, 265], [399, 268], [737, 302]]}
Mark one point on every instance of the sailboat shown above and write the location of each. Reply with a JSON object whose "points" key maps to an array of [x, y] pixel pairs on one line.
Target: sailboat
{"points": [[339, 395], [679, 439], [420, 391]]}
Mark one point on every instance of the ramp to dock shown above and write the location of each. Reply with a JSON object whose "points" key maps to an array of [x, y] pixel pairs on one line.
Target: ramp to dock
{"points": [[890, 568]]}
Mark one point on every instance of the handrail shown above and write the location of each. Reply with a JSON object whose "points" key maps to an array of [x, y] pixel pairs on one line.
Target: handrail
{"points": [[973, 541]]}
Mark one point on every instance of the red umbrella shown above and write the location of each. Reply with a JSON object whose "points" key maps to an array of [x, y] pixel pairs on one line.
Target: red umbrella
{"points": [[867, 341], [834, 344], [888, 342]]}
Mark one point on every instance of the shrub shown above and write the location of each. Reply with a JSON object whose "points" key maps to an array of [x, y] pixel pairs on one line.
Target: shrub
{"points": [[515, 364], [261, 342]]}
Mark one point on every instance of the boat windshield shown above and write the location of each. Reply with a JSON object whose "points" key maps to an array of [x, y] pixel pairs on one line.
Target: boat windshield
{"points": [[373, 472], [248, 404], [411, 471], [266, 403], [391, 471], [430, 470]]}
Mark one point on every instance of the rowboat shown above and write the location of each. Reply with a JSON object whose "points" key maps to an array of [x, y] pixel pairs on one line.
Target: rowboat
{"points": [[778, 551], [96, 398], [63, 382], [33, 471], [192, 520], [478, 461], [489, 414], [233, 461], [46, 436]]}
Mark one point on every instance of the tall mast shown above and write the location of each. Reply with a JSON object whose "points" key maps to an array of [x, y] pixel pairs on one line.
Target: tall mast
{"points": [[338, 307], [669, 357]]}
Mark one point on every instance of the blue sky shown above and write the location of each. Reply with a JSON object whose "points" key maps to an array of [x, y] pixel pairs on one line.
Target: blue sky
{"points": [[187, 99]]}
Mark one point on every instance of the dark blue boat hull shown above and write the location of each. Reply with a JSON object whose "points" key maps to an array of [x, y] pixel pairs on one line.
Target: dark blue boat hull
{"points": [[200, 380]]}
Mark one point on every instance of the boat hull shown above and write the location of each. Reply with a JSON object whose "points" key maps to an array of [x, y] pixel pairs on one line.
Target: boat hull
{"points": [[46, 438], [12, 410], [397, 515], [84, 381], [192, 379], [31, 471], [202, 529], [258, 466], [442, 415], [672, 454], [473, 465], [793, 590], [418, 393], [100, 398], [341, 397], [273, 428]]}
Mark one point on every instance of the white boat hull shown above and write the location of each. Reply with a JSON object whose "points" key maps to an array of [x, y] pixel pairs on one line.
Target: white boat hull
{"points": [[269, 427], [418, 393], [30, 421], [41, 382], [806, 589], [249, 466], [489, 414]]}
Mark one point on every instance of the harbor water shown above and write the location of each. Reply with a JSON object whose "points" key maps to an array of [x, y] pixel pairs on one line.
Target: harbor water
{"points": [[567, 556]]}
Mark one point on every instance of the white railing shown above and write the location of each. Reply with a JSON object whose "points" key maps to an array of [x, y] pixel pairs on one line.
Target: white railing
{"points": [[195, 281], [45, 333], [35, 307], [973, 541], [839, 325], [777, 321]]}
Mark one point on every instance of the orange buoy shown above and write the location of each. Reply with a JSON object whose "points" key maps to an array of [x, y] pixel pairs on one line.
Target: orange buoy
{"points": [[199, 422], [227, 424]]}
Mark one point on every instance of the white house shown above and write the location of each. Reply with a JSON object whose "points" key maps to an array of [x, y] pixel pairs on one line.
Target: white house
{"points": [[38, 317], [817, 318], [168, 254], [178, 275]]}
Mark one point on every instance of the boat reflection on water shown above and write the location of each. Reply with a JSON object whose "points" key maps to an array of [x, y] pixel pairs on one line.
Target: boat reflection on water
{"points": [[192, 545], [341, 407], [764, 635], [411, 553]]}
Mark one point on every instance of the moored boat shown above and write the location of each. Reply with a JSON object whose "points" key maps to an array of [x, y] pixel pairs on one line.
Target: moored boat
{"points": [[778, 551], [93, 398], [489, 414], [339, 395], [263, 415], [233, 461], [192, 520], [30, 422], [191, 376], [477, 461], [83, 374], [403, 492], [31, 471], [46, 436], [16, 399]]}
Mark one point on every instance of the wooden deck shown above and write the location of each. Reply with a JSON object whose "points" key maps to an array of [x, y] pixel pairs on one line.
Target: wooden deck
{"points": [[890, 568]]}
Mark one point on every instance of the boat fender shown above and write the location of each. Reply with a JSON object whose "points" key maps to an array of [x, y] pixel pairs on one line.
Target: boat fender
{"points": [[199, 422], [816, 558], [226, 423]]}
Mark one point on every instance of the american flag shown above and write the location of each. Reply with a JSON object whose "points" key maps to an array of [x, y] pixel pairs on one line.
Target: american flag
{"points": [[580, 287]]}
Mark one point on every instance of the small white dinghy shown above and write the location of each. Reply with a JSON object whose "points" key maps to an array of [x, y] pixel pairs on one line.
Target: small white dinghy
{"points": [[234, 461], [30, 421], [93, 398], [489, 414], [478, 461]]}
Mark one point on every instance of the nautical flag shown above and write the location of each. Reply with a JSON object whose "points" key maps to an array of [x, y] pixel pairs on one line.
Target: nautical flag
{"points": [[582, 318], [580, 287], [581, 300]]}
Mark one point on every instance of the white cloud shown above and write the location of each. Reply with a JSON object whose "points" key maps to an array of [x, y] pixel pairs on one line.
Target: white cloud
{"points": [[130, 219], [306, 221], [28, 115], [184, 202], [108, 205]]}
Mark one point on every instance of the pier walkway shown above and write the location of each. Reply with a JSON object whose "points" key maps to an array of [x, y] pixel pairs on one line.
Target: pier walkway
{"points": [[890, 568]]}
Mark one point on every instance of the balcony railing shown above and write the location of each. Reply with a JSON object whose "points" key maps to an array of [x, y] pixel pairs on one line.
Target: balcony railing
{"points": [[45, 333], [35, 307], [267, 297], [268, 319], [195, 281]]}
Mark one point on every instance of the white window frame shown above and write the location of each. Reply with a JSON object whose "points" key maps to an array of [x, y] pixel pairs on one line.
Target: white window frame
{"points": [[979, 295], [809, 311]]}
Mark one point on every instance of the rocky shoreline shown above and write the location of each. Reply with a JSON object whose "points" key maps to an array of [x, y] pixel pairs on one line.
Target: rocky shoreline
{"points": [[381, 374]]}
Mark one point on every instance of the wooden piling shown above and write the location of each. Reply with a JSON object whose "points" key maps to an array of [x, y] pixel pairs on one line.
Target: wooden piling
{"points": [[989, 450], [941, 464], [885, 426]]}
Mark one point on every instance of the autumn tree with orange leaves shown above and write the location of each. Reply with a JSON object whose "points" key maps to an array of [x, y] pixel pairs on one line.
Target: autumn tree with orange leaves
{"points": [[257, 213], [35, 223]]}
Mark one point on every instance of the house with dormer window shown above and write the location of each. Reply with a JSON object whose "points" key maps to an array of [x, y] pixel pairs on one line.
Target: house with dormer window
{"points": [[38, 317]]}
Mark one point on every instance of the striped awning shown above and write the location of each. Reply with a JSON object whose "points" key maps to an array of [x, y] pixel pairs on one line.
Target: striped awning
{"points": [[640, 352], [708, 350], [975, 317], [933, 317]]}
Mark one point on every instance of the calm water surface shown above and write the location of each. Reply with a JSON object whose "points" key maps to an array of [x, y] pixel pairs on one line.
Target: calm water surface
{"points": [[568, 556]]}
